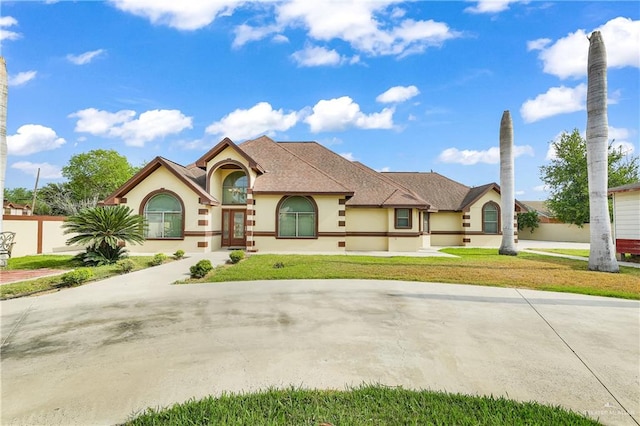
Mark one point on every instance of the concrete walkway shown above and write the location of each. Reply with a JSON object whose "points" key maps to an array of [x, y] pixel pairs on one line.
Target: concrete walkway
{"points": [[100, 353]]}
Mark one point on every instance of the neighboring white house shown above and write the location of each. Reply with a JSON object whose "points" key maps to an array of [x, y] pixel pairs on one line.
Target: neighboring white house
{"points": [[626, 218]]}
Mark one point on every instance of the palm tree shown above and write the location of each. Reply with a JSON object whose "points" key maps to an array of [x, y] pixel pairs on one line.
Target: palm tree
{"points": [[602, 253], [103, 229], [508, 246], [3, 139]]}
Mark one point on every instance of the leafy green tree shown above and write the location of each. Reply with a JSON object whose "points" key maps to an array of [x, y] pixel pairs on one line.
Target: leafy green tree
{"points": [[25, 196], [97, 173], [566, 177], [103, 229], [529, 220]]}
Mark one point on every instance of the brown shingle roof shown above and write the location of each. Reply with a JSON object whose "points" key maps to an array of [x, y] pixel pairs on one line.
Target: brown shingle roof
{"points": [[192, 176], [368, 186], [286, 172], [441, 192]]}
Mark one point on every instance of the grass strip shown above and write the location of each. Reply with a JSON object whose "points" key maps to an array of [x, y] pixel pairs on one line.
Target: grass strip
{"points": [[473, 266], [62, 262], [364, 405]]}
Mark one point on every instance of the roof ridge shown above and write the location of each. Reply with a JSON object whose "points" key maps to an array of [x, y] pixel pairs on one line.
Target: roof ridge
{"points": [[390, 181]]}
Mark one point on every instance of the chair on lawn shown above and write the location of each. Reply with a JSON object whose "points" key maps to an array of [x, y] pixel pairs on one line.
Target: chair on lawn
{"points": [[6, 243]]}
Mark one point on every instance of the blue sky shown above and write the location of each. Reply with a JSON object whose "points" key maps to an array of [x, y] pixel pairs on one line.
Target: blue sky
{"points": [[401, 86]]}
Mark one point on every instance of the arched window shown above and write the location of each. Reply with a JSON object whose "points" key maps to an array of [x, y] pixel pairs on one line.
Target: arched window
{"points": [[164, 216], [297, 218], [234, 189], [490, 218]]}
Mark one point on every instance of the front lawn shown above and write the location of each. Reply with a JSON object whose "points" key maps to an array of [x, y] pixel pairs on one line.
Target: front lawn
{"points": [[63, 262], [366, 405], [473, 266]]}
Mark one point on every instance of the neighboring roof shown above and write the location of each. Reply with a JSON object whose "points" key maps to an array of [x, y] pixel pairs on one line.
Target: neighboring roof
{"points": [[286, 172], [368, 186], [624, 188], [192, 176], [16, 206], [441, 192], [538, 206]]}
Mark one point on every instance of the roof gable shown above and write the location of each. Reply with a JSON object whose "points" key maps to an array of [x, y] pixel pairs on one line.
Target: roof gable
{"points": [[441, 192], [221, 146], [192, 176]]}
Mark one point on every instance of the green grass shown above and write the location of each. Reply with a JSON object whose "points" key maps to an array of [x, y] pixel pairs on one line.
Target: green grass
{"points": [[366, 405], [51, 261], [473, 266], [62, 262]]}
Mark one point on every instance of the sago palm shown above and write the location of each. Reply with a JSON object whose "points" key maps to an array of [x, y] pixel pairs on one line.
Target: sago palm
{"points": [[103, 229]]}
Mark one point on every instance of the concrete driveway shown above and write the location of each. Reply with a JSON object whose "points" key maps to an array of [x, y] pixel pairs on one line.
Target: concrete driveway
{"points": [[102, 352]]}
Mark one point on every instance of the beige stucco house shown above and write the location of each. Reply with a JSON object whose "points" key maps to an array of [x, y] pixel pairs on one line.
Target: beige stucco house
{"points": [[263, 195]]}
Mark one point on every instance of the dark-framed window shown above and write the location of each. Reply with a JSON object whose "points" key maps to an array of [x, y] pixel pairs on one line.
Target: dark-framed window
{"points": [[297, 217], [234, 188], [403, 219], [164, 217], [491, 218], [425, 223]]}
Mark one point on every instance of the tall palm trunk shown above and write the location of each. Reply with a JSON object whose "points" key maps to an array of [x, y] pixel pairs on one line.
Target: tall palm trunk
{"points": [[602, 253], [508, 246], [3, 140]]}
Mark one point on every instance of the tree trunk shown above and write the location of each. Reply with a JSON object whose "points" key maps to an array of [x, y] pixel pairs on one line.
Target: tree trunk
{"points": [[508, 246], [3, 139], [602, 252]]}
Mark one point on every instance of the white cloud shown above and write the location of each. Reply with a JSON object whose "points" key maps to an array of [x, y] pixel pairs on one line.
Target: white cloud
{"points": [[85, 58], [185, 15], [538, 44], [246, 33], [342, 113], [364, 25], [47, 171], [148, 126], [490, 6], [567, 57], [22, 78], [541, 188], [314, 56], [557, 100], [490, 156], [519, 192], [398, 94], [385, 169], [32, 138], [257, 120], [8, 21], [619, 137], [348, 155]]}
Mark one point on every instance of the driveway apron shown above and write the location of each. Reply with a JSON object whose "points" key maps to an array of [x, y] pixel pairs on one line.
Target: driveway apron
{"points": [[100, 353]]}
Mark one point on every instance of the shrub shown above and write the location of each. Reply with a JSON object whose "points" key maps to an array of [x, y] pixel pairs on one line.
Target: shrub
{"points": [[201, 269], [158, 259], [236, 256], [179, 254], [126, 265], [95, 256], [77, 276]]}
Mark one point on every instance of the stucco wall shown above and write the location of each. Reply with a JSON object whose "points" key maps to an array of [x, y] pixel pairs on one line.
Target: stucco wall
{"points": [[328, 222], [627, 215], [556, 232], [446, 228], [163, 179], [475, 211], [36, 234], [367, 220]]}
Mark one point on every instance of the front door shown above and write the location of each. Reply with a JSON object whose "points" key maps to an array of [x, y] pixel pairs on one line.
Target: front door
{"points": [[233, 228]]}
